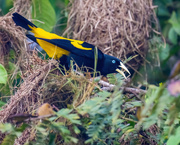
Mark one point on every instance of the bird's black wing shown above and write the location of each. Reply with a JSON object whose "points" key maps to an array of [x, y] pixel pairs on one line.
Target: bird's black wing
{"points": [[68, 45], [32, 37]]}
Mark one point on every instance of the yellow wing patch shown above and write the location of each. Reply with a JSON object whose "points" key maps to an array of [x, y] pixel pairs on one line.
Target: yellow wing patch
{"points": [[38, 32], [77, 44], [52, 50]]}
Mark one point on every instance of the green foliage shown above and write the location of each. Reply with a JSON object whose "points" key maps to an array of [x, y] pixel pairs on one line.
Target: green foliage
{"points": [[5, 5], [161, 109], [169, 18], [60, 7], [12, 79], [3, 75], [2, 104], [44, 13], [174, 139], [114, 79], [172, 36], [163, 53], [48, 130], [73, 118], [12, 132], [175, 22], [106, 117]]}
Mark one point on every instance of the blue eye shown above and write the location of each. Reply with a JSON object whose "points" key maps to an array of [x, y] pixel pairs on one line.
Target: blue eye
{"points": [[113, 61]]}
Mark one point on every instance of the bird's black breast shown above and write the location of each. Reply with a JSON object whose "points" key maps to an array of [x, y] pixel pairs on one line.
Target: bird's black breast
{"points": [[84, 63]]}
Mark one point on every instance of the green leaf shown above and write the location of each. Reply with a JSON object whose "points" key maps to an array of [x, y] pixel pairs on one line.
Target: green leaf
{"points": [[64, 130], [174, 139], [175, 23], [165, 30], [9, 139], [7, 127], [136, 103], [12, 54], [3, 75], [52, 139], [42, 130], [44, 13], [66, 2], [163, 11], [172, 35], [76, 130], [22, 128], [111, 78], [102, 94], [2, 104], [11, 68], [164, 52], [73, 118], [73, 139]]}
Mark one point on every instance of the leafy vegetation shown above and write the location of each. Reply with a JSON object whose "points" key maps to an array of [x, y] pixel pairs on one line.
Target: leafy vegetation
{"points": [[44, 13], [108, 117], [169, 19], [3, 74]]}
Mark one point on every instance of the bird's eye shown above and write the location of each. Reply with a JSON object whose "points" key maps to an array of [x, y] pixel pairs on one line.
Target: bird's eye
{"points": [[113, 61]]}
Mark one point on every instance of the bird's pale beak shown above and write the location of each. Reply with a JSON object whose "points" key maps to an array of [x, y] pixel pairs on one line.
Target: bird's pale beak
{"points": [[124, 68]]}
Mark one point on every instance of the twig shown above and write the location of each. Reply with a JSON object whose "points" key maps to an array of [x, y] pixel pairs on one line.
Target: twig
{"points": [[106, 84], [128, 119], [133, 90], [39, 117], [54, 107], [109, 87]]}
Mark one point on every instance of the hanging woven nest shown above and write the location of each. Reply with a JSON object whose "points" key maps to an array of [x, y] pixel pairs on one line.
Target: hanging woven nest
{"points": [[118, 27]]}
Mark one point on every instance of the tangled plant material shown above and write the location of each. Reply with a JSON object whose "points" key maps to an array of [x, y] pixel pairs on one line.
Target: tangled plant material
{"points": [[10, 36], [118, 27], [13, 38], [43, 83]]}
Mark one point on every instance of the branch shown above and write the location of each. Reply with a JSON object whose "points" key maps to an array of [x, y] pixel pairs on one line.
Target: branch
{"points": [[109, 87]]}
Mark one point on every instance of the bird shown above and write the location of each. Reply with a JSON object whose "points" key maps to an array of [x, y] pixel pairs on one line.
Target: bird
{"points": [[21, 117], [45, 109], [66, 50]]}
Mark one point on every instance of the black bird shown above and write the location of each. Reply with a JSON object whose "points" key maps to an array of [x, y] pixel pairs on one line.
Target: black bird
{"points": [[64, 49]]}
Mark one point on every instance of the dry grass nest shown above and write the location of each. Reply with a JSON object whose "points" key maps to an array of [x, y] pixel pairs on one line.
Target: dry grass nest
{"points": [[44, 83], [118, 27]]}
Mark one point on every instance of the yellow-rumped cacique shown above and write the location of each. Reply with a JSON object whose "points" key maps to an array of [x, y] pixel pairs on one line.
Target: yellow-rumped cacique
{"points": [[64, 49]]}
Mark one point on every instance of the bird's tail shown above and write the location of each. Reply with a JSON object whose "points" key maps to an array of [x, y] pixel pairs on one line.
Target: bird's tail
{"points": [[23, 22]]}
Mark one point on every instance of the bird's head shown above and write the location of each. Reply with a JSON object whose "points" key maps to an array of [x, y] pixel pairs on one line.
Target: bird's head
{"points": [[113, 65]]}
